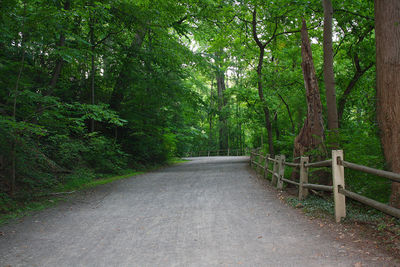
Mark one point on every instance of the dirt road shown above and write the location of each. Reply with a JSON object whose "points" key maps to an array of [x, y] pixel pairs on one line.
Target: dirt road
{"points": [[206, 212]]}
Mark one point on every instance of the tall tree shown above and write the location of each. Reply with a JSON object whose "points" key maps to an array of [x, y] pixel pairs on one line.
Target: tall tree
{"points": [[387, 28], [261, 47], [311, 135], [329, 78]]}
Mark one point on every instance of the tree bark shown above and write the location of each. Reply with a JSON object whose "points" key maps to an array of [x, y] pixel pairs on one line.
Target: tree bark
{"points": [[311, 135], [329, 77], [387, 31]]}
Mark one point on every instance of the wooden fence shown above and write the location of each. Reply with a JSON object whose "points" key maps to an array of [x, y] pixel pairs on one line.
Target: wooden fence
{"points": [[220, 152], [337, 164]]}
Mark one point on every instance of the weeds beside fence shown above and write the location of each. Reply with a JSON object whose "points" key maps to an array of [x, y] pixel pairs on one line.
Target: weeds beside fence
{"points": [[337, 165]]}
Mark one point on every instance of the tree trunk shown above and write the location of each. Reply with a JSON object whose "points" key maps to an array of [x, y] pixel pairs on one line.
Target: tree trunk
{"points": [[288, 110], [261, 47], [60, 61], [223, 135], [387, 30], [329, 78], [210, 116], [277, 134], [311, 135], [268, 124], [117, 94], [14, 113], [93, 67]]}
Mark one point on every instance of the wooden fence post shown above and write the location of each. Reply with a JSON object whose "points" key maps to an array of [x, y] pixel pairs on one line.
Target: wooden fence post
{"points": [[228, 151], [281, 172], [303, 192], [266, 162], [259, 163], [338, 181], [251, 159], [274, 170]]}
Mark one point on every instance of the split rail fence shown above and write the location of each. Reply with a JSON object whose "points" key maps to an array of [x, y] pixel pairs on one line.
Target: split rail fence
{"points": [[337, 164], [220, 152]]}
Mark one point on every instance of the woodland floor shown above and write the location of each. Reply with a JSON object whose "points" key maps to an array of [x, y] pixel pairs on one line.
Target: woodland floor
{"points": [[206, 212]]}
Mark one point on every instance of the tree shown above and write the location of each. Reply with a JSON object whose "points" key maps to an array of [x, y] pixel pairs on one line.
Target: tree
{"points": [[329, 78], [311, 135], [261, 47], [387, 28]]}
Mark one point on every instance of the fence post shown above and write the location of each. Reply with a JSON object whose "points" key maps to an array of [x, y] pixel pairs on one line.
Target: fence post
{"points": [[228, 151], [274, 170], [208, 153], [259, 163], [303, 192], [251, 159], [338, 181], [281, 172], [266, 162]]}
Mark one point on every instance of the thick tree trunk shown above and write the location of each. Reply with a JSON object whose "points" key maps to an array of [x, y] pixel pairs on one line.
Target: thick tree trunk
{"points": [[329, 78], [311, 135], [387, 30]]}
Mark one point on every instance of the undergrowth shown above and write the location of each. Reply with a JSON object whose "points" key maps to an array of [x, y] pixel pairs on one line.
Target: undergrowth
{"points": [[322, 207], [80, 179]]}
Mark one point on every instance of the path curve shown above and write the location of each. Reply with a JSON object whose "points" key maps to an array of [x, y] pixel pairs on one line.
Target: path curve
{"points": [[206, 212]]}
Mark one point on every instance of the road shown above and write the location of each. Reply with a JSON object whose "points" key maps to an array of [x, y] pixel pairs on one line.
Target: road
{"points": [[206, 212]]}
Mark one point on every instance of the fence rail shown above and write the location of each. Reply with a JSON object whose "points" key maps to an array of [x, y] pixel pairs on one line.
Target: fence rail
{"points": [[337, 165], [219, 152]]}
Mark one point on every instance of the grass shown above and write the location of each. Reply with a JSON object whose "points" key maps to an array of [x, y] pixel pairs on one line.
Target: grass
{"points": [[176, 161], [76, 182], [23, 209], [79, 180]]}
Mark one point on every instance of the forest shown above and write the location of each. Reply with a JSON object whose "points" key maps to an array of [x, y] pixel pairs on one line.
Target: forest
{"points": [[96, 88]]}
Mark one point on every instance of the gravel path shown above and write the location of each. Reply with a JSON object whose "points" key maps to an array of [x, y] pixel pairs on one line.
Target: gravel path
{"points": [[206, 212]]}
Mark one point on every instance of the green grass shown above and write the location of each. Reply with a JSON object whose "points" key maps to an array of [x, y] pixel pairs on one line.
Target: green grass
{"points": [[79, 180], [23, 209], [176, 161], [75, 182]]}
